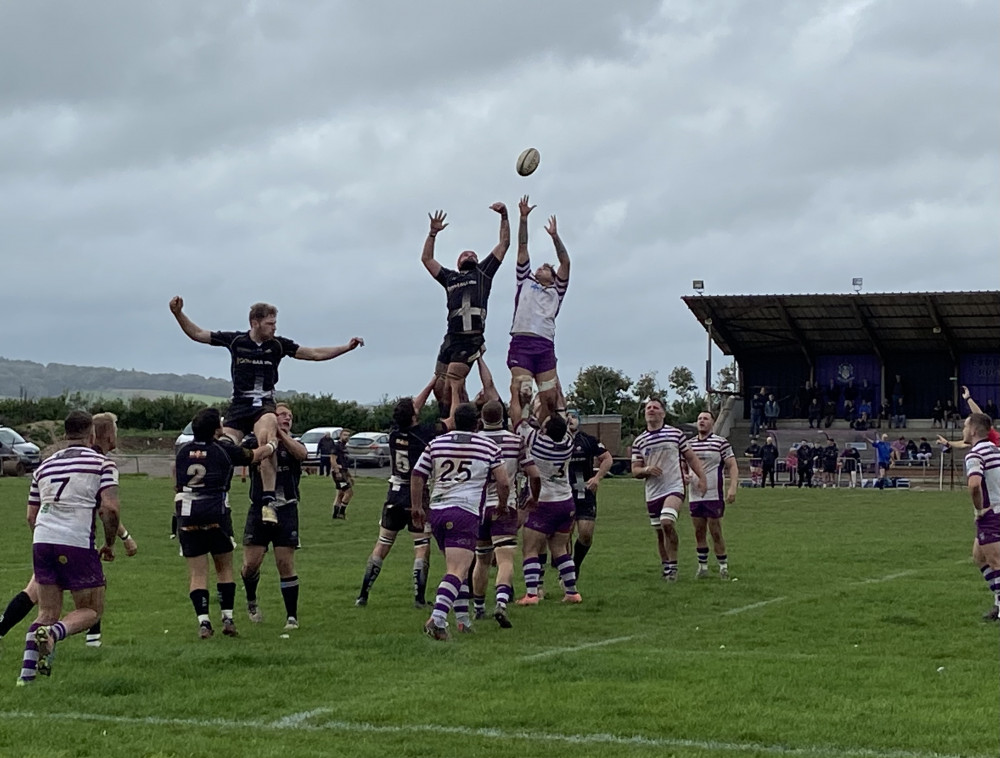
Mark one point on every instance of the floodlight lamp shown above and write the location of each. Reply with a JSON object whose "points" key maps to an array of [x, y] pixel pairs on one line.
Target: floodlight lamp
{"points": [[857, 282], [698, 285]]}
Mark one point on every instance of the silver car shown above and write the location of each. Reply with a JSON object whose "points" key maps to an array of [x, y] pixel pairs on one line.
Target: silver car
{"points": [[369, 448]]}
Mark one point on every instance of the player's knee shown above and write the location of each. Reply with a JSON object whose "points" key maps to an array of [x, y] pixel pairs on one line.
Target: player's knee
{"points": [[386, 538]]}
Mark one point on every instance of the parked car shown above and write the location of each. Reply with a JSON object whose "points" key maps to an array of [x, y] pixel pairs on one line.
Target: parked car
{"points": [[17, 455], [186, 436], [369, 448], [311, 440]]}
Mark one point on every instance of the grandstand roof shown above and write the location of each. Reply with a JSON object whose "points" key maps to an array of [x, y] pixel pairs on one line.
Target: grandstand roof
{"points": [[883, 323]]}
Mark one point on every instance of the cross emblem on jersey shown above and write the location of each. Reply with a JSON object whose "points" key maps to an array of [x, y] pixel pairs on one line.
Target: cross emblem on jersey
{"points": [[467, 311]]}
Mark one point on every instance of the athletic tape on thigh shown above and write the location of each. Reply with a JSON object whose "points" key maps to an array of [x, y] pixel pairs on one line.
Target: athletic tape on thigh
{"points": [[421, 541], [387, 540], [484, 550], [506, 542], [548, 384], [669, 514]]}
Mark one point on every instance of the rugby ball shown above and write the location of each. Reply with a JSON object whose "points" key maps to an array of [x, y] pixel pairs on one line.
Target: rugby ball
{"points": [[527, 161]]}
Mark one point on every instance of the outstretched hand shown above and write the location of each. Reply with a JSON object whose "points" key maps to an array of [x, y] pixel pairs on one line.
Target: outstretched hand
{"points": [[355, 343], [965, 393], [176, 304], [500, 208], [437, 221], [551, 226], [524, 207]]}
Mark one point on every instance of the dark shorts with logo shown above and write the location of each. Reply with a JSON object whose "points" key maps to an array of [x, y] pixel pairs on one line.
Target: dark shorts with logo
{"points": [[396, 513], [67, 567], [243, 416], [460, 348], [283, 534], [203, 539], [586, 508]]}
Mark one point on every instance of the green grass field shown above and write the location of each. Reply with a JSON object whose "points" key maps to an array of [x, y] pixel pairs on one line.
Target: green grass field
{"points": [[852, 629]]}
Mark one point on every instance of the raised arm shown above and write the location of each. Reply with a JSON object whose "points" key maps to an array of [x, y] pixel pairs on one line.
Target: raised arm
{"points": [[188, 326], [604, 463], [522, 231], [486, 377], [328, 353], [427, 256], [561, 254], [967, 397], [504, 244], [421, 400]]}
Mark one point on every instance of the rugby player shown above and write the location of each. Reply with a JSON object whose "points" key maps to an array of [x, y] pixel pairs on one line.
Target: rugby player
{"points": [[550, 518], [498, 527], [707, 508], [65, 491], [407, 440], [590, 463], [460, 464], [468, 293], [255, 357], [982, 468], [342, 475], [532, 352], [656, 455], [283, 536], [105, 440], [204, 469]]}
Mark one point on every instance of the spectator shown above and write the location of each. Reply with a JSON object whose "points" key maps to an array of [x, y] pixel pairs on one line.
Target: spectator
{"points": [[757, 403], [803, 400], [831, 393], [897, 449], [897, 390], [850, 462], [829, 412], [830, 454], [771, 412], [866, 392], [950, 414], [864, 416], [804, 464], [925, 451], [768, 460], [990, 409], [814, 412], [851, 393], [899, 413], [848, 411], [937, 415], [911, 450], [791, 464], [324, 449], [753, 453], [883, 414]]}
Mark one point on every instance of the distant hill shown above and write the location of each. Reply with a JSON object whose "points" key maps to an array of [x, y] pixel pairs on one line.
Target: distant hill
{"points": [[50, 380]]}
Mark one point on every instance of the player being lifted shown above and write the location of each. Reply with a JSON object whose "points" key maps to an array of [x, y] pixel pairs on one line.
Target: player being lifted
{"points": [[532, 352], [498, 527], [459, 463], [708, 508], [255, 357], [284, 536], [468, 292], [407, 440], [656, 455]]}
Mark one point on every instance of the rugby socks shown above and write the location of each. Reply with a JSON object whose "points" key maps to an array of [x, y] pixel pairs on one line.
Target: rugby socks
{"points": [[666, 567], [461, 604], [372, 569], [250, 582], [702, 556], [227, 598], [447, 593], [504, 594], [543, 558], [420, 581], [579, 553], [16, 611], [532, 569], [290, 594], [479, 604], [567, 573], [58, 631], [992, 577], [670, 568], [94, 635], [29, 663], [723, 560], [199, 599]]}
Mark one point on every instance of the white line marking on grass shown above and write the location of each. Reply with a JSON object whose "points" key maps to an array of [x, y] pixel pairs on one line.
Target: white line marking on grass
{"points": [[814, 751], [297, 718], [761, 604], [558, 650], [888, 578]]}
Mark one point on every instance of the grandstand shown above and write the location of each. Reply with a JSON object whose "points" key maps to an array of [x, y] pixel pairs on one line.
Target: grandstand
{"points": [[934, 341]]}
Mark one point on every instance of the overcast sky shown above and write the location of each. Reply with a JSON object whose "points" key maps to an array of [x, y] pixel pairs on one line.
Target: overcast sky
{"points": [[290, 151]]}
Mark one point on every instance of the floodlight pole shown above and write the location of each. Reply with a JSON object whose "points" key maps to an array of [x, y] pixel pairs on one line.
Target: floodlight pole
{"points": [[708, 368]]}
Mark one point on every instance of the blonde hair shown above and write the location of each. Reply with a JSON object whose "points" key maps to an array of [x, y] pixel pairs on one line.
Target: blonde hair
{"points": [[105, 423]]}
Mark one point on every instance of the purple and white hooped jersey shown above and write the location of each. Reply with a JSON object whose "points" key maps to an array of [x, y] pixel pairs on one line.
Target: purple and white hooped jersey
{"points": [[66, 488], [535, 306], [515, 458], [983, 460], [713, 452], [552, 459], [457, 466], [661, 447]]}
